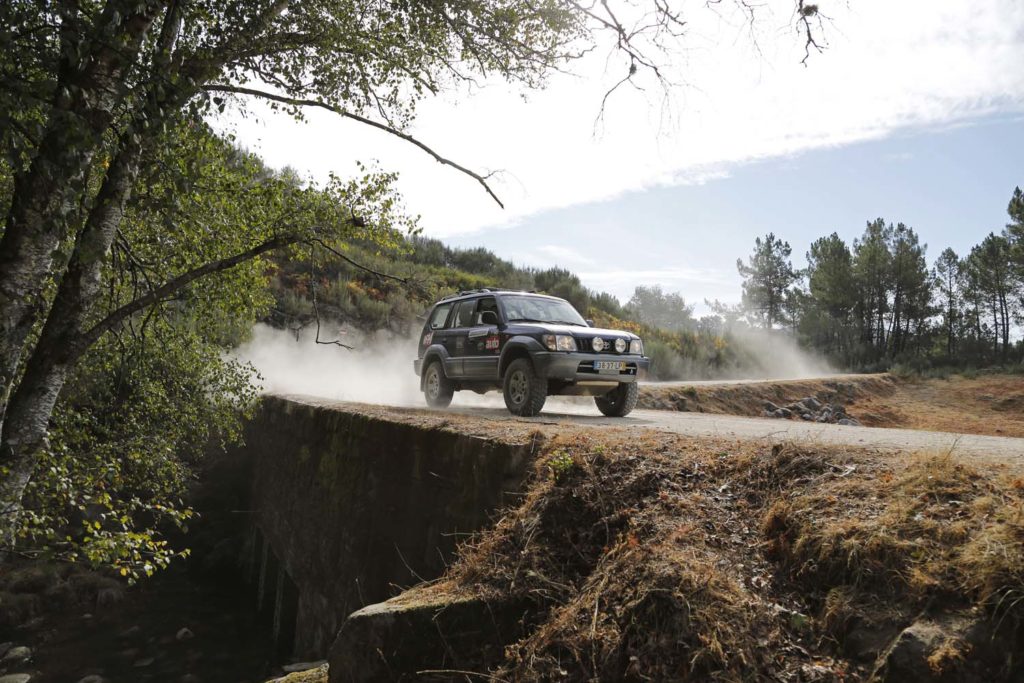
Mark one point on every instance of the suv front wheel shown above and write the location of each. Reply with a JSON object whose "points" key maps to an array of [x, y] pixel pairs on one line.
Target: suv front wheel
{"points": [[524, 391], [620, 401], [437, 388]]}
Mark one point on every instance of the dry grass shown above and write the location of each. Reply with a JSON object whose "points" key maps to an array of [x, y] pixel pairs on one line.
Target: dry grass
{"points": [[653, 557], [988, 404], [748, 398], [937, 529]]}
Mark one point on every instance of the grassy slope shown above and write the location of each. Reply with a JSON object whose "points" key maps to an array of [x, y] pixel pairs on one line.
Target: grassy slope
{"points": [[658, 558], [748, 398], [987, 404]]}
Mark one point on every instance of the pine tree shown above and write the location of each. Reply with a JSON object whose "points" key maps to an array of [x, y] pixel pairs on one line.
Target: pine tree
{"points": [[947, 276], [767, 276]]}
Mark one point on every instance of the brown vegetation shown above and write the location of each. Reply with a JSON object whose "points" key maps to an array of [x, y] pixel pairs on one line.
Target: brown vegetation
{"points": [[986, 404], [657, 558], [748, 398]]}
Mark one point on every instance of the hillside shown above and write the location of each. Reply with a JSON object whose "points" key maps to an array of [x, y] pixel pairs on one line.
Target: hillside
{"points": [[391, 289]]}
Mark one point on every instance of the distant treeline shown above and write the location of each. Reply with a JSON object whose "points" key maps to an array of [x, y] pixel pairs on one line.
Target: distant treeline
{"points": [[879, 301], [390, 290], [864, 306]]}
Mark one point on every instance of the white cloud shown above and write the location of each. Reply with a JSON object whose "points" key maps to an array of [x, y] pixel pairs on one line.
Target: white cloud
{"points": [[889, 66], [555, 255]]}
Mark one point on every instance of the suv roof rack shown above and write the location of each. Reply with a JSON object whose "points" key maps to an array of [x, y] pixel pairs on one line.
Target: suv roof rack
{"points": [[482, 290]]}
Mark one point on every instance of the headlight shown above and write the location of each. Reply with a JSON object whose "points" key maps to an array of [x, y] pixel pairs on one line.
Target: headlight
{"points": [[559, 342], [636, 347], [597, 343], [620, 345]]}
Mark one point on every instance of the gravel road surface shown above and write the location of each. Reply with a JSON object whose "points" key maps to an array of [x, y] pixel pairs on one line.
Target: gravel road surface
{"points": [[763, 429]]}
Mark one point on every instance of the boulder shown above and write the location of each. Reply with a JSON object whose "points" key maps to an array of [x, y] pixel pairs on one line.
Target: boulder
{"points": [[16, 678], [906, 659], [425, 629], [302, 666], [812, 403], [17, 655]]}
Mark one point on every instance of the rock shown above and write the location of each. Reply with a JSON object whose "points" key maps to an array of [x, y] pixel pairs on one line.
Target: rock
{"points": [[907, 656], [807, 416], [17, 655], [93, 678], [786, 412], [143, 663], [4, 647], [132, 632], [189, 678], [770, 407], [184, 634], [812, 403], [15, 678], [847, 422], [302, 666]]}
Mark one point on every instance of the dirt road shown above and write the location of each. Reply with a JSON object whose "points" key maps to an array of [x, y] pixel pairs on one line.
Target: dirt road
{"points": [[1006, 449]]}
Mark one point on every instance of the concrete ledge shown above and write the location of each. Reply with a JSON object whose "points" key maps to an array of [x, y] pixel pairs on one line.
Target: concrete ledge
{"points": [[424, 631]]}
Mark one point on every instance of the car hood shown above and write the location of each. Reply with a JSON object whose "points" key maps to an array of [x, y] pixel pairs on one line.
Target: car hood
{"points": [[577, 331]]}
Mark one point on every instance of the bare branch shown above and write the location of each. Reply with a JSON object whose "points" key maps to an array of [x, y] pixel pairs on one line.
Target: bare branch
{"points": [[298, 102], [176, 284]]}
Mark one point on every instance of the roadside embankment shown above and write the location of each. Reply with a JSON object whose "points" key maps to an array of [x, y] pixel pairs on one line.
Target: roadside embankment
{"points": [[753, 399], [639, 555]]}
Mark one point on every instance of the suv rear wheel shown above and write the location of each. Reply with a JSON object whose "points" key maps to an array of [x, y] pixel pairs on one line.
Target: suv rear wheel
{"points": [[437, 388], [620, 401], [524, 391]]}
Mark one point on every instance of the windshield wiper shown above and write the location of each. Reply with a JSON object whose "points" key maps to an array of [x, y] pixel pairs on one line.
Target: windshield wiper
{"points": [[527, 320]]}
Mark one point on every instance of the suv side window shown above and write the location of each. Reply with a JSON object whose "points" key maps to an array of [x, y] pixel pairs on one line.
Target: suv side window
{"points": [[487, 304], [464, 313], [439, 316]]}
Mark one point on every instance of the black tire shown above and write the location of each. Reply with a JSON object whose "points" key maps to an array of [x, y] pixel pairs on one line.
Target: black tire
{"points": [[524, 391], [620, 401], [437, 388]]}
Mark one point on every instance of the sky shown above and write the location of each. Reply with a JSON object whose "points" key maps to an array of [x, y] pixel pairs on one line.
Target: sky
{"points": [[914, 112]]}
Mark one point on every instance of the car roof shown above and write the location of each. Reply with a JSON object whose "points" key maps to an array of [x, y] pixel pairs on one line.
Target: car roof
{"points": [[490, 292]]}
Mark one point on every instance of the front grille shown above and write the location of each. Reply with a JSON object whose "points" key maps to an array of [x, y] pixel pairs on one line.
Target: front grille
{"points": [[587, 345]]}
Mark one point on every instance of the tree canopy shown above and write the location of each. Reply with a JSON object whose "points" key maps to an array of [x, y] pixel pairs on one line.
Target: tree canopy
{"points": [[121, 207]]}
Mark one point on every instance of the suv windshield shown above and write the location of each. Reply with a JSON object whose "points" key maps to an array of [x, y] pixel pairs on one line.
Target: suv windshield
{"points": [[536, 309]]}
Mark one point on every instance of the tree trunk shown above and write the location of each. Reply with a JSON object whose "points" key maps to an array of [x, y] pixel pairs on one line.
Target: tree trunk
{"points": [[47, 192]]}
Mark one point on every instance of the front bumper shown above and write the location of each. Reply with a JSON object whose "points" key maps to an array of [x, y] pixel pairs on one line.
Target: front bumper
{"points": [[579, 367]]}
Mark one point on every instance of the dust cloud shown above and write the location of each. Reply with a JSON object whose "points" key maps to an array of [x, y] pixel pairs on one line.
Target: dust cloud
{"points": [[378, 370], [775, 354]]}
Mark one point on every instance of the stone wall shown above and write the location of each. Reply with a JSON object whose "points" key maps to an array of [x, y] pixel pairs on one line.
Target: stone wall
{"points": [[350, 506]]}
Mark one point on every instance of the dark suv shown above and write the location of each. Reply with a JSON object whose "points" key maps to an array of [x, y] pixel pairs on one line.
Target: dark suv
{"points": [[528, 345]]}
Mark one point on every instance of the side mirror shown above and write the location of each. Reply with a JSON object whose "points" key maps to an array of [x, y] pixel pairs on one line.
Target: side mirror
{"points": [[488, 318], [589, 322]]}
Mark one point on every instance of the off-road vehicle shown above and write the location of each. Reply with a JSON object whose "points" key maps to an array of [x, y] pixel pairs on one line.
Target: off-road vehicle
{"points": [[529, 346]]}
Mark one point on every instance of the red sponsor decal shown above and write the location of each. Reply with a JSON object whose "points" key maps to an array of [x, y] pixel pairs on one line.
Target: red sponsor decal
{"points": [[427, 338], [493, 343]]}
